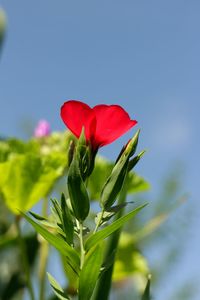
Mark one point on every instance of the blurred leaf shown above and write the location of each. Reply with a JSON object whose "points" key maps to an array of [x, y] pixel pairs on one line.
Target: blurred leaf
{"points": [[90, 272], [129, 261], [136, 184], [58, 243], [149, 227], [2, 26], [105, 232], [14, 285], [26, 178], [57, 288]]}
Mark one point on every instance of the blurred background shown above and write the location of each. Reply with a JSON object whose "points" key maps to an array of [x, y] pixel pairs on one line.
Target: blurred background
{"points": [[141, 55]]}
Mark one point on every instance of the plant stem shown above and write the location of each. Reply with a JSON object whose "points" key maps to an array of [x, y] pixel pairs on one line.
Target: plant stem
{"points": [[104, 285], [81, 244], [24, 257], [44, 249]]}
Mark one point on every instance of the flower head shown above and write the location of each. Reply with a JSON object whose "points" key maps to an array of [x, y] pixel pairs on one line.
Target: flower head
{"points": [[103, 124], [42, 129]]}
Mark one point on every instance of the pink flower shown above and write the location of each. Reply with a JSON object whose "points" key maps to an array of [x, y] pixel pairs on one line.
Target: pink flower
{"points": [[42, 129], [103, 124]]}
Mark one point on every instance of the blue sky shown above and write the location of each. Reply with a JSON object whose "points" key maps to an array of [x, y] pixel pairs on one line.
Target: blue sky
{"points": [[143, 55]]}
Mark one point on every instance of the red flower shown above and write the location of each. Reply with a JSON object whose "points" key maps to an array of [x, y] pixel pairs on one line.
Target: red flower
{"points": [[102, 124]]}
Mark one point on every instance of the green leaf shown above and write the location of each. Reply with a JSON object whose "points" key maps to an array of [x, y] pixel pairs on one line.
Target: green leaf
{"points": [[90, 272], [101, 235], [58, 243], [77, 192], [146, 295], [57, 288]]}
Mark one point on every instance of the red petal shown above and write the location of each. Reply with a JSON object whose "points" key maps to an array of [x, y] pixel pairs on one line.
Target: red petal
{"points": [[76, 114], [112, 122]]}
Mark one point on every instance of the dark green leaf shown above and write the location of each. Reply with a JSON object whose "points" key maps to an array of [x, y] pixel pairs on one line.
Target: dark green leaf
{"points": [[101, 235], [90, 272], [37, 217]]}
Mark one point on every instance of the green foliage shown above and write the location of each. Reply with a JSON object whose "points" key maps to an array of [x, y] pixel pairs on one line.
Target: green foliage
{"points": [[105, 232], [57, 288], [28, 171], [129, 261], [102, 170], [25, 179], [56, 241], [90, 272], [115, 181]]}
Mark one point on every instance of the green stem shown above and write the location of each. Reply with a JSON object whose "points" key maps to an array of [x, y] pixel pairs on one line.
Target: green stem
{"points": [[81, 244], [44, 250], [104, 284], [24, 257]]}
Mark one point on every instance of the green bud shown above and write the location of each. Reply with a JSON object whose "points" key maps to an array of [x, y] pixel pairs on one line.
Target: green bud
{"points": [[77, 191], [115, 181], [85, 156]]}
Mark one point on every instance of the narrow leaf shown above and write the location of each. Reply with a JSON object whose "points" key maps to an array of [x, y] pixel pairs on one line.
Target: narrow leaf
{"points": [[101, 235], [37, 217], [57, 288], [90, 273], [58, 243]]}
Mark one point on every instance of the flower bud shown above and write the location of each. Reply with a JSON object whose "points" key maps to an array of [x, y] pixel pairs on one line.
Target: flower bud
{"points": [[115, 181]]}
